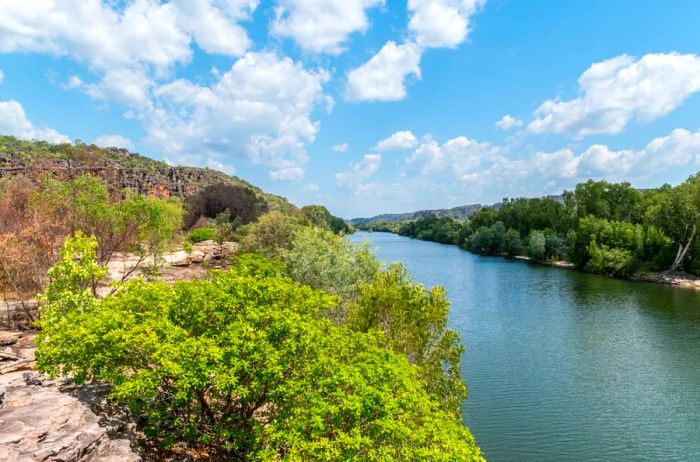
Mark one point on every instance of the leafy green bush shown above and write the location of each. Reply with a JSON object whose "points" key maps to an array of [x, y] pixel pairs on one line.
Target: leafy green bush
{"points": [[326, 261], [610, 261], [414, 321], [242, 367], [512, 245], [270, 236], [201, 235], [537, 244]]}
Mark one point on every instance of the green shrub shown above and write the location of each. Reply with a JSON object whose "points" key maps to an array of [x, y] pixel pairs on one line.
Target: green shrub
{"points": [[242, 367], [537, 245], [610, 261], [201, 235], [414, 321]]}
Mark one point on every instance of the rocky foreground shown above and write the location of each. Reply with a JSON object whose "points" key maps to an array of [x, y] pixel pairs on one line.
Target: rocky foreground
{"points": [[55, 420]]}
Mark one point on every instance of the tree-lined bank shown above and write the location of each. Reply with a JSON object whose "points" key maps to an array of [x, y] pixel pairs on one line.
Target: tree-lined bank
{"points": [[601, 227]]}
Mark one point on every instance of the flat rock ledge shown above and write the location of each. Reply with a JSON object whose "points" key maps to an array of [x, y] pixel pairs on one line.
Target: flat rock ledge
{"points": [[39, 422]]}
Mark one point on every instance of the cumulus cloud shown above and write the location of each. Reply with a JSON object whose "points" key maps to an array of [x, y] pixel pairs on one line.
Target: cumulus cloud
{"points": [[214, 25], [433, 24], [507, 122], [383, 77], [397, 141], [358, 172], [459, 156], [322, 26], [441, 23], [620, 89], [343, 147], [144, 32], [14, 121], [128, 86], [260, 109], [114, 141]]}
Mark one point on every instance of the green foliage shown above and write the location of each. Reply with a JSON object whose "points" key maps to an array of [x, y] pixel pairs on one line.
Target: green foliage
{"points": [[130, 223], [323, 260], [414, 321], [658, 228], [512, 245], [612, 262], [488, 239], [536, 245], [270, 236], [201, 234], [319, 216], [444, 230], [72, 280], [242, 367]]}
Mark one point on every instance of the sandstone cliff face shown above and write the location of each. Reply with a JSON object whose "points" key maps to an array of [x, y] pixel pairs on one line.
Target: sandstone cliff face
{"points": [[118, 167], [159, 180]]}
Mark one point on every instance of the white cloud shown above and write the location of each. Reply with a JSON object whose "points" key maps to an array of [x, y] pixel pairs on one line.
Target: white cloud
{"points": [[310, 187], [2, 76], [397, 141], [620, 89], [14, 121], [460, 156], [287, 174], [214, 26], [343, 147], [441, 23], [353, 178], [74, 81], [128, 86], [322, 26], [507, 122], [382, 78], [144, 32], [260, 109], [114, 141]]}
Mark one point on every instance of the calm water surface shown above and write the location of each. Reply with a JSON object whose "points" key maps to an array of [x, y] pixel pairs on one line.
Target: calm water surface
{"points": [[565, 366]]}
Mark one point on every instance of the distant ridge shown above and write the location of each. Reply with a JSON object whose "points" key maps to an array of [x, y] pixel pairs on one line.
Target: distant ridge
{"points": [[456, 213]]}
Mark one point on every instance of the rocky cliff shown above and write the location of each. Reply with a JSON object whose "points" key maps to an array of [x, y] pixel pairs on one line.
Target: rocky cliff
{"points": [[118, 167]]}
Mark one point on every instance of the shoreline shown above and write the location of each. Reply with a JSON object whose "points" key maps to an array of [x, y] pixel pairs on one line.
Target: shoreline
{"points": [[675, 279]]}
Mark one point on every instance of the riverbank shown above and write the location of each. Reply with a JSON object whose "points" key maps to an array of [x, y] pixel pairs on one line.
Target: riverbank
{"points": [[675, 278]]}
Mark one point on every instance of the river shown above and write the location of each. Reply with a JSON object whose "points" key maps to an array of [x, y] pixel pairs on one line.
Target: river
{"points": [[562, 365]]}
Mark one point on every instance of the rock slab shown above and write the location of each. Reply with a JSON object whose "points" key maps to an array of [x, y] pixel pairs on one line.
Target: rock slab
{"points": [[38, 422]]}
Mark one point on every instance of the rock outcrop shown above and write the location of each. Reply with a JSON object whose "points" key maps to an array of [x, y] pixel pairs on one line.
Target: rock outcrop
{"points": [[39, 422], [52, 420]]}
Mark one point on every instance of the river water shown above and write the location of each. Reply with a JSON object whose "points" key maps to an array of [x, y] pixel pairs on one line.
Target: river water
{"points": [[562, 365]]}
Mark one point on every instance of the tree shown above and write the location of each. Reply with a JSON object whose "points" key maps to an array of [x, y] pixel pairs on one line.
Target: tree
{"points": [[536, 244], [414, 321], [120, 223], [319, 216], [242, 367], [323, 260], [243, 204], [270, 235], [512, 245]]}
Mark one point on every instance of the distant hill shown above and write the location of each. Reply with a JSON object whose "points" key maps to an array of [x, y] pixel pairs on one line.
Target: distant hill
{"points": [[457, 213], [120, 168]]}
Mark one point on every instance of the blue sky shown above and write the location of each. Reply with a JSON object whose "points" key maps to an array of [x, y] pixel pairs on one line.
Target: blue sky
{"points": [[367, 106]]}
